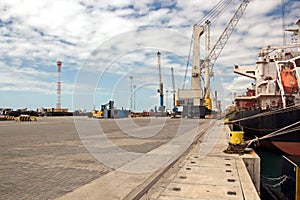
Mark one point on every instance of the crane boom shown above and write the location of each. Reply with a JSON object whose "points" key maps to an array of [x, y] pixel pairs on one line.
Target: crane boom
{"points": [[221, 42]]}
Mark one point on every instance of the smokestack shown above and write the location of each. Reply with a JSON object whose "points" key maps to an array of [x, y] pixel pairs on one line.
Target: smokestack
{"points": [[58, 105]]}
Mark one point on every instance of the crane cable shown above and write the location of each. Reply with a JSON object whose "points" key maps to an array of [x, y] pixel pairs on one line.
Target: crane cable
{"points": [[215, 12], [188, 62], [212, 15], [226, 6]]}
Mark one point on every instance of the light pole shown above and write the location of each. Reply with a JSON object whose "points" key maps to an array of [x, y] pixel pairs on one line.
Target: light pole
{"points": [[134, 97], [167, 91]]}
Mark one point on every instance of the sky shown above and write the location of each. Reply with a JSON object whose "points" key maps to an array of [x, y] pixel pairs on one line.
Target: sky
{"points": [[103, 43]]}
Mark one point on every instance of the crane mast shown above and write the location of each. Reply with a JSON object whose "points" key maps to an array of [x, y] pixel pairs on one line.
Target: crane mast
{"points": [[173, 86], [196, 70], [207, 66], [160, 90]]}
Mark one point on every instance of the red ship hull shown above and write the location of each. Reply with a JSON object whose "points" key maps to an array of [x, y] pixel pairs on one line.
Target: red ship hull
{"points": [[291, 148]]}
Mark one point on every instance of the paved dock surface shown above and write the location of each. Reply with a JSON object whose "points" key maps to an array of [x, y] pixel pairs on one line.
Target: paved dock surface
{"points": [[46, 159]]}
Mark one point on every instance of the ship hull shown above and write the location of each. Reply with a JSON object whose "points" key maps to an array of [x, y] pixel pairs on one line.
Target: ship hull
{"points": [[291, 148], [257, 123]]}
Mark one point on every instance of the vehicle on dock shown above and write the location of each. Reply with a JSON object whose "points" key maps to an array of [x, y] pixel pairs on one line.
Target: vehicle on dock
{"points": [[271, 109], [5, 111]]}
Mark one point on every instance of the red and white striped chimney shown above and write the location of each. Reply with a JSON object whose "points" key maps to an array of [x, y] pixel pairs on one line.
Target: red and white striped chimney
{"points": [[58, 105]]}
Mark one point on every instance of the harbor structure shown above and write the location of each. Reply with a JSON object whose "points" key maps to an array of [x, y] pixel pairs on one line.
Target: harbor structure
{"points": [[196, 102], [58, 103]]}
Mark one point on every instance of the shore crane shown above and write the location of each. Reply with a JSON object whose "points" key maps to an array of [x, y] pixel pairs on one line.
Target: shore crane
{"points": [[203, 25], [222, 40]]}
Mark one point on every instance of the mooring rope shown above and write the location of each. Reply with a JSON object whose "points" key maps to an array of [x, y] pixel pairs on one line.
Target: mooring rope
{"points": [[276, 133]]}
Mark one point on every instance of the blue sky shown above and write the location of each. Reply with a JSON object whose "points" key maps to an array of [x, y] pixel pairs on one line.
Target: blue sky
{"points": [[89, 36]]}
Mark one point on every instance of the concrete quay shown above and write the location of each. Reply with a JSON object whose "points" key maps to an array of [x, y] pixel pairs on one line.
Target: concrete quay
{"points": [[208, 173]]}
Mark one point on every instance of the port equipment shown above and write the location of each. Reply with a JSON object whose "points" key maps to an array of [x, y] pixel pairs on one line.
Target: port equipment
{"points": [[26, 118], [192, 99], [8, 117], [97, 114], [198, 95], [176, 110], [160, 90], [108, 109], [57, 112], [173, 86]]}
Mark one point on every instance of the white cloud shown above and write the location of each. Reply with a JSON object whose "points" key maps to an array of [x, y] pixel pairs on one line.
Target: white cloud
{"points": [[239, 85], [35, 34]]}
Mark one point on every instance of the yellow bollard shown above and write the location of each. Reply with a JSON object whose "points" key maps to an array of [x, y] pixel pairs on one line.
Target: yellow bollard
{"points": [[226, 120], [236, 137]]}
